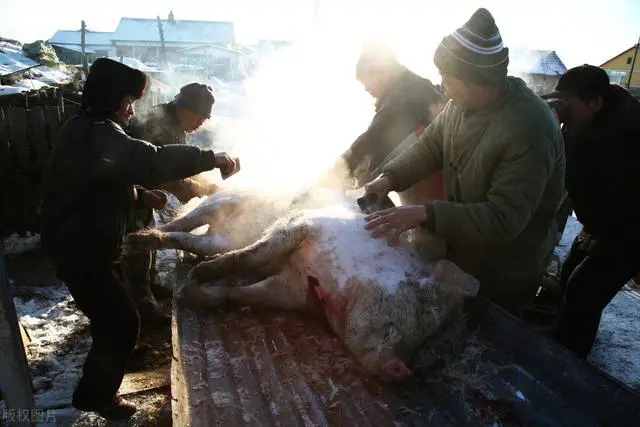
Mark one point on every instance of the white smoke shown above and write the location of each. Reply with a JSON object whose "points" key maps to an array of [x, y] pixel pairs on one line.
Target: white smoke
{"points": [[299, 111]]}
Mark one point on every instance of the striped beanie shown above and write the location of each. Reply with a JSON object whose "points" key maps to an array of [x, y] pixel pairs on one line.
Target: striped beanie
{"points": [[474, 52]]}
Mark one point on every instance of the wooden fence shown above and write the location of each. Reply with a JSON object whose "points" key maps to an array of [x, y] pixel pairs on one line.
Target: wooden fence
{"points": [[29, 127]]}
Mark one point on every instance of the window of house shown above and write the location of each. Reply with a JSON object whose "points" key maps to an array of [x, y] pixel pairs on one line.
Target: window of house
{"points": [[617, 77], [629, 60]]}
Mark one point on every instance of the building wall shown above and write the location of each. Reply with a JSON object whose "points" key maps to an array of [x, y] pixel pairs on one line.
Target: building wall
{"points": [[619, 67]]}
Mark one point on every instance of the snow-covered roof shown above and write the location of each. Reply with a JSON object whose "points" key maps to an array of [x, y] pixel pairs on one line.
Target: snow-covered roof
{"points": [[12, 59], [176, 31], [531, 61], [75, 48], [71, 37]]}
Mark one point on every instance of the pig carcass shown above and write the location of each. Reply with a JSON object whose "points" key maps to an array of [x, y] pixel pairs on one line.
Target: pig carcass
{"points": [[382, 300]]}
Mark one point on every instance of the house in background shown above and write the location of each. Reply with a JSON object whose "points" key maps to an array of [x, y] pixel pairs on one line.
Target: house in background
{"points": [[619, 68], [140, 38], [541, 69], [215, 60], [67, 44]]}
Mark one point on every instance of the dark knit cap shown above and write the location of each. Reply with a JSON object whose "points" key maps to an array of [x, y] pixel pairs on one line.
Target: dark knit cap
{"points": [[108, 83], [474, 52], [584, 81], [196, 97]]}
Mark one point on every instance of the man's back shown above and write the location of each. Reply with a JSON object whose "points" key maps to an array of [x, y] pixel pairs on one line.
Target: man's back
{"points": [[159, 125], [602, 172], [410, 103]]}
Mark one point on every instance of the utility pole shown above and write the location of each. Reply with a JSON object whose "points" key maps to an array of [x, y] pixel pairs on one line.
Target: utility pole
{"points": [[633, 63], [83, 42], [163, 57]]}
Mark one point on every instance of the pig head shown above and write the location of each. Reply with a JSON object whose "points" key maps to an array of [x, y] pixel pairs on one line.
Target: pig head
{"points": [[383, 330]]}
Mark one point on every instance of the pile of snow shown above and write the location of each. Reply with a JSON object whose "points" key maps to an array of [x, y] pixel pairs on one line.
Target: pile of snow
{"points": [[12, 60]]}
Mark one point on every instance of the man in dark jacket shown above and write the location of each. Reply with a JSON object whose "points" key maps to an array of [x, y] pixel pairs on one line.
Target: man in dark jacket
{"points": [[602, 180], [405, 103], [88, 202], [162, 125]]}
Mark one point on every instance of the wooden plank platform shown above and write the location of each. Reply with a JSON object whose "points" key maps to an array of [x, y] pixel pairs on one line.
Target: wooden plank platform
{"points": [[274, 368]]}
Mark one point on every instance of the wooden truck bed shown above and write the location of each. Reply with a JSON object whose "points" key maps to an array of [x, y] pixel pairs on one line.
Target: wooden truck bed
{"points": [[265, 368]]}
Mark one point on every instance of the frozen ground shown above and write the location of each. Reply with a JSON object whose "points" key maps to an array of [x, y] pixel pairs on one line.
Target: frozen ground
{"points": [[60, 339]]}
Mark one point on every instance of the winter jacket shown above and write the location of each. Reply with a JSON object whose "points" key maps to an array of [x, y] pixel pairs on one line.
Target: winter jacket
{"points": [[503, 169], [160, 127], [402, 109], [90, 194], [603, 176]]}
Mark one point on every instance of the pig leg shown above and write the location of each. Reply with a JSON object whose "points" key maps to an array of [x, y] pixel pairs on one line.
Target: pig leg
{"points": [[269, 252], [149, 240], [285, 290], [212, 211]]}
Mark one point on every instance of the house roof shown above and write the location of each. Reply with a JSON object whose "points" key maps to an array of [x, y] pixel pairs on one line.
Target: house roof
{"points": [[532, 61], [74, 48], [618, 55], [177, 31], [73, 37]]}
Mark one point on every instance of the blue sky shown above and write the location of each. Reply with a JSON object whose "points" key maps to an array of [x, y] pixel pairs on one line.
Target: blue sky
{"points": [[581, 31]]}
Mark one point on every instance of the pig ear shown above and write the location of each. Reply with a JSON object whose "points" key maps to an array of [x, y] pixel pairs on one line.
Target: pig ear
{"points": [[448, 273]]}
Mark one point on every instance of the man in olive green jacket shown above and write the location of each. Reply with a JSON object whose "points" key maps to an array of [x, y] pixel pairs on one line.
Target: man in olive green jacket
{"points": [[502, 156]]}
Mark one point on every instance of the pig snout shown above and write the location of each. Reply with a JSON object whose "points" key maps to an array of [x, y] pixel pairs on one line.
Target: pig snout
{"points": [[395, 371]]}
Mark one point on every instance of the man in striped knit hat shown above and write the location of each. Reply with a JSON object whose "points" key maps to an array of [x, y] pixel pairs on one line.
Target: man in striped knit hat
{"points": [[502, 157]]}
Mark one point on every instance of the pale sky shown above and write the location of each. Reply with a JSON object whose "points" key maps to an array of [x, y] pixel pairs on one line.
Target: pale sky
{"points": [[580, 31]]}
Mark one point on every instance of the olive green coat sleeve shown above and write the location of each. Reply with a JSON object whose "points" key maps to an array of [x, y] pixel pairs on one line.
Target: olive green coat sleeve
{"points": [[516, 188]]}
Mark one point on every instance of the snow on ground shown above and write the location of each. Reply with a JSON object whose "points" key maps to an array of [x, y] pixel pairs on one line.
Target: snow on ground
{"points": [[617, 347], [60, 339]]}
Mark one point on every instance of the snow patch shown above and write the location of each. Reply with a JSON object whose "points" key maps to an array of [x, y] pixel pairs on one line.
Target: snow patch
{"points": [[60, 340], [353, 253]]}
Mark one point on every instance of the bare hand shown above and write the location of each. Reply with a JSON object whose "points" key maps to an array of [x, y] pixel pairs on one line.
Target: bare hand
{"points": [[380, 187], [395, 221], [155, 199], [226, 164]]}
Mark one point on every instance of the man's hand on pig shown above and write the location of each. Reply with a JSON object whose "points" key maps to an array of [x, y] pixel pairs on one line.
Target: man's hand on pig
{"points": [[155, 199], [395, 221], [225, 163]]}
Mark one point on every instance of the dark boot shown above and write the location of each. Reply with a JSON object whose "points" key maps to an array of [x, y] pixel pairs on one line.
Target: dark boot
{"points": [[151, 315], [117, 409]]}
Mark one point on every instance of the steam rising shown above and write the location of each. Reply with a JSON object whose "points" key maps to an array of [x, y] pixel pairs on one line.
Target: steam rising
{"points": [[299, 112]]}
